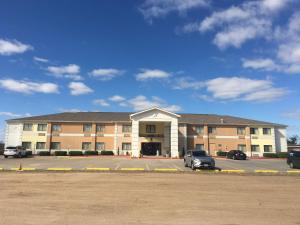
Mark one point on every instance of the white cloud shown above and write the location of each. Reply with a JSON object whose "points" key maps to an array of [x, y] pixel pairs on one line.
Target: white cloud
{"points": [[239, 24], [261, 64], [70, 71], [147, 74], [70, 110], [38, 59], [188, 83], [141, 102], [117, 98], [159, 8], [106, 73], [10, 47], [10, 114], [79, 88], [28, 87], [101, 102], [295, 114]]}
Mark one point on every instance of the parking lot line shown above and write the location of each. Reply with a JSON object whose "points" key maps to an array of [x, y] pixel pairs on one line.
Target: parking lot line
{"points": [[59, 169], [133, 169], [165, 169], [293, 171], [97, 169], [233, 171], [266, 171]]}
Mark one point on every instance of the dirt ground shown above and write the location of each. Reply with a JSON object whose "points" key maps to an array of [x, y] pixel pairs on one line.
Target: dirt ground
{"points": [[147, 198]]}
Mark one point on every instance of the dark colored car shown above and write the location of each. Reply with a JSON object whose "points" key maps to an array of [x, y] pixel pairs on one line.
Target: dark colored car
{"points": [[236, 154], [198, 159], [293, 159]]}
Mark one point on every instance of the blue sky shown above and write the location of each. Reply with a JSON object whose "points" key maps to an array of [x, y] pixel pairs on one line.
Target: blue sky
{"points": [[231, 57]]}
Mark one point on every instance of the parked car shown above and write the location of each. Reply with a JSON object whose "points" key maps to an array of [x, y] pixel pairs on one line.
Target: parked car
{"points": [[17, 151], [236, 154], [293, 159], [198, 159]]}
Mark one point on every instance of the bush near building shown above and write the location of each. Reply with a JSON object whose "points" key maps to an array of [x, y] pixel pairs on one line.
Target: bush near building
{"points": [[276, 155], [104, 152], [75, 153], [91, 153], [221, 153], [61, 153], [44, 153], [28, 153]]}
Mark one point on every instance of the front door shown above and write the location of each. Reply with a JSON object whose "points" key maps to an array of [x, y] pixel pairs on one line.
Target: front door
{"points": [[151, 148]]}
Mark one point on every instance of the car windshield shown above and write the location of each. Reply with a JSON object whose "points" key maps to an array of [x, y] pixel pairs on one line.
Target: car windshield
{"points": [[11, 148], [199, 153]]}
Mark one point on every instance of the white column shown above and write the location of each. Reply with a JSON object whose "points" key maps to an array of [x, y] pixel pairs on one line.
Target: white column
{"points": [[135, 139], [116, 138], [174, 138], [166, 141]]}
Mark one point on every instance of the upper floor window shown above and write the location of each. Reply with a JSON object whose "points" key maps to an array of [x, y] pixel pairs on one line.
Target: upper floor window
{"points": [[267, 131], [150, 129], [87, 127], [199, 129], [126, 128], [100, 128], [212, 130], [241, 130], [253, 130], [27, 127], [56, 127], [42, 127]]}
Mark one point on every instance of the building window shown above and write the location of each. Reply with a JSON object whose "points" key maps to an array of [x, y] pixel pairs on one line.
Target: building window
{"points": [[26, 145], [267, 148], [199, 129], [55, 145], [86, 145], [100, 146], [87, 127], [199, 146], [27, 127], [40, 145], [126, 128], [150, 128], [242, 148], [267, 131], [56, 127], [126, 146], [212, 130], [241, 131], [255, 148], [100, 128], [253, 130], [42, 127]]}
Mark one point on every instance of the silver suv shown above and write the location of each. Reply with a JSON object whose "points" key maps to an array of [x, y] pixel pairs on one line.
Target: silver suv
{"points": [[17, 151], [198, 159]]}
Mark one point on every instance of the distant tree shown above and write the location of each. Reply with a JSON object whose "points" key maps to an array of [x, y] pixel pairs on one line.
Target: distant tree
{"points": [[293, 140]]}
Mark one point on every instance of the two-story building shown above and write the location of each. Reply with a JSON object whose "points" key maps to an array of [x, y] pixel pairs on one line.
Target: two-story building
{"points": [[149, 132]]}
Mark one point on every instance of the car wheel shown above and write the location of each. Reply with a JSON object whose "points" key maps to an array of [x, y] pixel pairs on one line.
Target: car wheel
{"points": [[192, 166], [292, 165], [5, 156]]}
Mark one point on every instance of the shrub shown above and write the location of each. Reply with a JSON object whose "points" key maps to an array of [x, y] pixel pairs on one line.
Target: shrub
{"points": [[90, 153], [104, 152], [44, 153], [60, 153], [221, 153], [28, 153], [75, 153], [282, 154], [270, 155]]}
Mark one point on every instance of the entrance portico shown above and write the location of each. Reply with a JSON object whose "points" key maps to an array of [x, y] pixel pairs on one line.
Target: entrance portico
{"points": [[155, 126]]}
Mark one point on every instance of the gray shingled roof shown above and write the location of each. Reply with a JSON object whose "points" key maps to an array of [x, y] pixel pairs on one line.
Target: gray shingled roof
{"points": [[124, 117]]}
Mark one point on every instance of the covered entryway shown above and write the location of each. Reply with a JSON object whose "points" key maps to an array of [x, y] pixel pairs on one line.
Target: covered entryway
{"points": [[151, 148]]}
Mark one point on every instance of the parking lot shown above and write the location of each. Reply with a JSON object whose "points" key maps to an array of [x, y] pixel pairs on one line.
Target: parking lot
{"points": [[143, 164]]}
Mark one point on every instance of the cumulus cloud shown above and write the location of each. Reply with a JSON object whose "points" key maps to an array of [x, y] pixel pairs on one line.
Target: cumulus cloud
{"points": [[261, 64], [117, 98], [147, 74], [10, 114], [159, 8], [101, 102], [38, 59], [239, 24], [28, 87], [105, 74], [79, 88], [70, 71], [188, 83], [11, 47]]}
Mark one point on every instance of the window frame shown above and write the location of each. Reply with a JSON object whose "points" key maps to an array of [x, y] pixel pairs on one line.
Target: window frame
{"points": [[150, 128], [41, 124], [201, 128], [97, 143], [86, 142], [84, 127], [256, 150], [199, 149], [124, 130], [126, 143], [212, 130], [56, 125], [254, 128], [30, 144], [102, 130], [268, 129], [25, 125], [238, 129], [55, 142], [39, 142], [270, 150]]}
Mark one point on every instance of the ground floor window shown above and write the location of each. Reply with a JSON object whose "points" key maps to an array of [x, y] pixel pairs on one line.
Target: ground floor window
{"points": [[126, 146], [267, 148], [86, 145], [100, 146], [242, 148], [55, 145], [26, 145], [40, 145], [255, 148], [199, 146]]}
